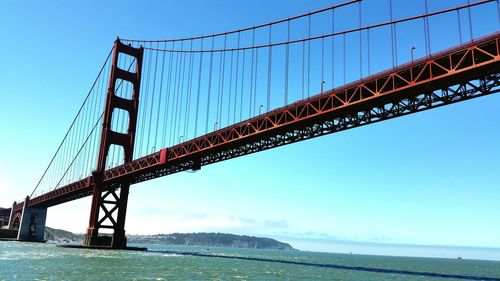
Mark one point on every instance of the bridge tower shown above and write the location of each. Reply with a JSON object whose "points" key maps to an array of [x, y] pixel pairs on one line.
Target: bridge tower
{"points": [[109, 203]]}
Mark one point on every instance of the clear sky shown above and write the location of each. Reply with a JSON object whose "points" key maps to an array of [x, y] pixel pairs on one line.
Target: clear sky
{"points": [[428, 179]]}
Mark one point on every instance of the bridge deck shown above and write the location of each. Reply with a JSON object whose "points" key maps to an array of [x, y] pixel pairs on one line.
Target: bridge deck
{"points": [[399, 91]]}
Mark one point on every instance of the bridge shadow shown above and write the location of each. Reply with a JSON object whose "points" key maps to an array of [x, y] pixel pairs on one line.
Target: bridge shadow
{"points": [[334, 266]]}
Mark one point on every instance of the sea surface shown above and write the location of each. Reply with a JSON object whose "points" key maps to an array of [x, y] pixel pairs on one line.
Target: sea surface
{"points": [[35, 261]]}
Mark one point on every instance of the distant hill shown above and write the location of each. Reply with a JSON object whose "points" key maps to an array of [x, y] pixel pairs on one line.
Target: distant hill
{"points": [[210, 239], [187, 239], [61, 235]]}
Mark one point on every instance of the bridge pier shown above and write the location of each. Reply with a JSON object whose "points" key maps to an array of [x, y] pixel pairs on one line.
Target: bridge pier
{"points": [[32, 224]]}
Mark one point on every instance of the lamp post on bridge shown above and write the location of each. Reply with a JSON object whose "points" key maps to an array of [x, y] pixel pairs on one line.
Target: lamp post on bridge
{"points": [[411, 52], [260, 108], [215, 126]]}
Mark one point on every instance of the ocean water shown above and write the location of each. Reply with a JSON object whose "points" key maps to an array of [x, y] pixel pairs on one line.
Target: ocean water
{"points": [[34, 261]]}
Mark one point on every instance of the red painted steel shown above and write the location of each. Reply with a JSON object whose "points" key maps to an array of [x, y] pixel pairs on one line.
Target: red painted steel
{"points": [[403, 90], [113, 205]]}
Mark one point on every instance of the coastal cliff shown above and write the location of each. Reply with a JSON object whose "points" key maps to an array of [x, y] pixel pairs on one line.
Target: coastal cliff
{"points": [[211, 239], [187, 239]]}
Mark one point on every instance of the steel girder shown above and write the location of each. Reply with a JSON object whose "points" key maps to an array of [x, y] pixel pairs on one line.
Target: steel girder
{"points": [[454, 75], [424, 101]]}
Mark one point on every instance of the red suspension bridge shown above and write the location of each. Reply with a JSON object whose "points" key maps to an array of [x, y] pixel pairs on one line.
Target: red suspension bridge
{"points": [[166, 106]]}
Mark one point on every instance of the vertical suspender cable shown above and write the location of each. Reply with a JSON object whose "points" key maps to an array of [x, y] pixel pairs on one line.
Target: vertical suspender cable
{"points": [[179, 99], [177, 82], [173, 96], [255, 81], [230, 91], [360, 43], [100, 114], [182, 97], [64, 158], [145, 96], [287, 62], [190, 91], [269, 70], [93, 120], [223, 55], [498, 11], [86, 153], [392, 34], [470, 21], [88, 123], [219, 95], [303, 66], [251, 75], [242, 85], [102, 102], [160, 96], [322, 63], [78, 168], [333, 49], [167, 93], [223, 80], [199, 91], [426, 27], [209, 84], [153, 93], [368, 50], [236, 82], [71, 145], [309, 59], [343, 50], [74, 146], [91, 144], [459, 27]]}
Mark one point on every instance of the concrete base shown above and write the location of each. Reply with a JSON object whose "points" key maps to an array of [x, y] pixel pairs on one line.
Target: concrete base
{"points": [[116, 240], [101, 247], [32, 225]]}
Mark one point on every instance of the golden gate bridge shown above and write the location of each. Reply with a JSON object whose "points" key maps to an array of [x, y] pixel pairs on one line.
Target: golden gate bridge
{"points": [[159, 107]]}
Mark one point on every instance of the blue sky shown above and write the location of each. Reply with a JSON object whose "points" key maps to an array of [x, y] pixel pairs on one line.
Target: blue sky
{"points": [[428, 178]]}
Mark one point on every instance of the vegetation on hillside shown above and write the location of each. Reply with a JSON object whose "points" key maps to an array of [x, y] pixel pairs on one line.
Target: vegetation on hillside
{"points": [[187, 239]]}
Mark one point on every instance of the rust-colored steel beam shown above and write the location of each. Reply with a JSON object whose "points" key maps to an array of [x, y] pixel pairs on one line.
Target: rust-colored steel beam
{"points": [[108, 202], [457, 74]]}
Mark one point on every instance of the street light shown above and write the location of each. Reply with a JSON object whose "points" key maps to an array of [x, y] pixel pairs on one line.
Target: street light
{"points": [[322, 84], [215, 126], [411, 51], [260, 107], [180, 138]]}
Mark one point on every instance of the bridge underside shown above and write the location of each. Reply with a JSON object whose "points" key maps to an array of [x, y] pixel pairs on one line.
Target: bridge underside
{"points": [[459, 74]]}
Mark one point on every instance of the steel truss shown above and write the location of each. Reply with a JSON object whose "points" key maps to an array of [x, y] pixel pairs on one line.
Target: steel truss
{"points": [[460, 92], [461, 73]]}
